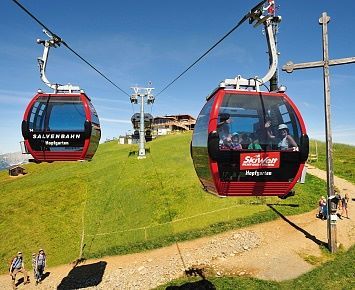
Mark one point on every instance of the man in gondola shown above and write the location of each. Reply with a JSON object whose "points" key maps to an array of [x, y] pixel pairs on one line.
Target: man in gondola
{"points": [[223, 130]]}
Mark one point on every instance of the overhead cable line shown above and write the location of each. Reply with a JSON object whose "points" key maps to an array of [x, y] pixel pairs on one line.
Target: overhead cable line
{"points": [[89, 64], [60, 40], [245, 17]]}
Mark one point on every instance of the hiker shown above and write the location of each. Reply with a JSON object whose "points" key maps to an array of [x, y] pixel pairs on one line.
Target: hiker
{"points": [[344, 205], [337, 203], [322, 214], [339, 206], [40, 265], [17, 265], [34, 267]]}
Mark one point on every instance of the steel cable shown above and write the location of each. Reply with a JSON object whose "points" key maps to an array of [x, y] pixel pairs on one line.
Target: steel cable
{"points": [[245, 17], [60, 40]]}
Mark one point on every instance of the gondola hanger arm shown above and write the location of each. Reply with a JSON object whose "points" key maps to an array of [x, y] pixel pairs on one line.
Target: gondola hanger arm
{"points": [[53, 41], [255, 82]]}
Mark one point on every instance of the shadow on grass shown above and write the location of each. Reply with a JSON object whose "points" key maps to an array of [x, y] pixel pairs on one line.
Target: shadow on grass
{"points": [[284, 204], [198, 285], [307, 234], [84, 276]]}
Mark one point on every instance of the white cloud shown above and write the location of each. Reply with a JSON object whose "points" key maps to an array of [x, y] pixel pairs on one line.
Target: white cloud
{"points": [[115, 121], [113, 108], [15, 97], [99, 99], [338, 135]]}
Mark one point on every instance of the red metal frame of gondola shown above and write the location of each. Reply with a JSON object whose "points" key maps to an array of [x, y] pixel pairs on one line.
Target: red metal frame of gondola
{"points": [[60, 155], [235, 188]]}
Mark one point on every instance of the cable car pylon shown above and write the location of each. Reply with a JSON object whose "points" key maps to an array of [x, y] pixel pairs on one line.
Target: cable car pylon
{"points": [[142, 95]]}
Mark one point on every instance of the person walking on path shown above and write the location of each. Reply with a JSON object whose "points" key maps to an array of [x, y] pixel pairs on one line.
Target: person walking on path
{"points": [[34, 267], [323, 211], [344, 204], [18, 266], [40, 265]]}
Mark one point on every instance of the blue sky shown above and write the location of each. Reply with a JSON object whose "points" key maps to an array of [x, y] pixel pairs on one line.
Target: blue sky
{"points": [[134, 42]]}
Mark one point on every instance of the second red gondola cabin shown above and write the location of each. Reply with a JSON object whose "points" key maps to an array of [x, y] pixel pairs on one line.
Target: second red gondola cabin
{"points": [[61, 127]]}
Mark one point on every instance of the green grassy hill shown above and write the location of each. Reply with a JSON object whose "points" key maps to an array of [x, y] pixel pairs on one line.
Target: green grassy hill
{"points": [[343, 159], [120, 204]]}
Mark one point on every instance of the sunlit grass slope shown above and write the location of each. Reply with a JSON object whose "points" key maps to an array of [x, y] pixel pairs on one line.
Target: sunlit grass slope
{"points": [[343, 159], [120, 204]]}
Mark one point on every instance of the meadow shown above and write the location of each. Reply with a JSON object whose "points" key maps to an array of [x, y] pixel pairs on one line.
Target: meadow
{"points": [[343, 159], [117, 204]]}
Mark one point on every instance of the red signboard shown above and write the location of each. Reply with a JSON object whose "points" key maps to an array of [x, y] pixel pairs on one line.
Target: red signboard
{"points": [[260, 160]]}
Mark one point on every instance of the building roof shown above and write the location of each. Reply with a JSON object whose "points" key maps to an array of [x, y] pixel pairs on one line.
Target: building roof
{"points": [[176, 117], [181, 116], [15, 166], [165, 117]]}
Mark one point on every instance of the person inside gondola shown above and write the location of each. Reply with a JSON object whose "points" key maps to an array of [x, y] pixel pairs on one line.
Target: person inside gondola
{"points": [[223, 130], [245, 140], [254, 145], [235, 145], [286, 140]]}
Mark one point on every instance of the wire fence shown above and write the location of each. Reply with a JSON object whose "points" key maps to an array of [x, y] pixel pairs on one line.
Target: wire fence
{"points": [[146, 230]]}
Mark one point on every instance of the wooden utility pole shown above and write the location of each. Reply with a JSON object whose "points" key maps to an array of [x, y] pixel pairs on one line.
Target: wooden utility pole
{"points": [[289, 67]]}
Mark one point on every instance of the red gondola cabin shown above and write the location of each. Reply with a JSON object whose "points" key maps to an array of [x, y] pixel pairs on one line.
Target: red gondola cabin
{"points": [[61, 127], [249, 143]]}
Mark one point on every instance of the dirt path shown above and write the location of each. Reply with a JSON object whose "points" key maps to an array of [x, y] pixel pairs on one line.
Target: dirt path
{"points": [[269, 251]]}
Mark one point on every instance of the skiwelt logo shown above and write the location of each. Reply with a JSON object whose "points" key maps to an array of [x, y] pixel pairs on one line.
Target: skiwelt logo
{"points": [[259, 160]]}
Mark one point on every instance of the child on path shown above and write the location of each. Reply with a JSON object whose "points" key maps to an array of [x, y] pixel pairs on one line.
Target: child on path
{"points": [[344, 204], [323, 211]]}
